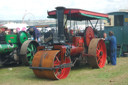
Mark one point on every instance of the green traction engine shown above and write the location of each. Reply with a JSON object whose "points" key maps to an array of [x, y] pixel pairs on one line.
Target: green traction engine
{"points": [[17, 49]]}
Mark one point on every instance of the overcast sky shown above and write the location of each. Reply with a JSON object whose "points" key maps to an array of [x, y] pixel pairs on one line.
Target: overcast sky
{"points": [[37, 9]]}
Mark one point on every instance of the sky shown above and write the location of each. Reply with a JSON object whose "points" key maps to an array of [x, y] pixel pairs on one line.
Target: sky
{"points": [[37, 9]]}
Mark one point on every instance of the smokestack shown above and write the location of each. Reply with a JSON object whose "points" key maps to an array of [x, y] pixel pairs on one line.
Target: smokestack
{"points": [[60, 22]]}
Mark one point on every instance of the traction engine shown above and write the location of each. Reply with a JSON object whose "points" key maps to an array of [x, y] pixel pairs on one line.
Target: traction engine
{"points": [[17, 49], [55, 60]]}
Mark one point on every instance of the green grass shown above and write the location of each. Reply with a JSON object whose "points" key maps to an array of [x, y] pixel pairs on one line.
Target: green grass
{"points": [[84, 75]]}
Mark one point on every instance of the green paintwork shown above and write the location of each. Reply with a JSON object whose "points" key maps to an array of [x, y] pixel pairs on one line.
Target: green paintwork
{"points": [[31, 51], [11, 38], [95, 17], [23, 37], [15, 42], [120, 32], [4, 48], [12, 42]]}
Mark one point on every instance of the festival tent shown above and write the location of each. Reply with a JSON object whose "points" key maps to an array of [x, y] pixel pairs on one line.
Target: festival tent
{"points": [[17, 26]]}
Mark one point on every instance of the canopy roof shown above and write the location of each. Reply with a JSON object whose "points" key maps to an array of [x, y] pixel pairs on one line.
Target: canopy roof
{"points": [[79, 14]]}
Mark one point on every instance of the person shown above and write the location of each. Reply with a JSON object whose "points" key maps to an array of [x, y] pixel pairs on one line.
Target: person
{"points": [[34, 33], [11, 32], [108, 48], [14, 31], [48, 37], [2, 37], [0, 31], [113, 47]]}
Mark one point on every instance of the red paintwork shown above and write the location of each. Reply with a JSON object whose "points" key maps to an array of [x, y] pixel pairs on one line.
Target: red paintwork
{"points": [[101, 59], [89, 35], [40, 48], [76, 50], [3, 29], [78, 41], [64, 71], [66, 11], [11, 37], [77, 46]]}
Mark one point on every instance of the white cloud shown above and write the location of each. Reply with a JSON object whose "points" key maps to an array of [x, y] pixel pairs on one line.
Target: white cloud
{"points": [[15, 9]]}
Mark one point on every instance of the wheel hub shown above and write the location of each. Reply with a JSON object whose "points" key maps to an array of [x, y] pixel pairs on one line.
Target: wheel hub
{"points": [[32, 52], [101, 53]]}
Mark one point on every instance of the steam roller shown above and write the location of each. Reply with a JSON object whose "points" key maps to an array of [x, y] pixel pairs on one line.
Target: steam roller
{"points": [[54, 60]]}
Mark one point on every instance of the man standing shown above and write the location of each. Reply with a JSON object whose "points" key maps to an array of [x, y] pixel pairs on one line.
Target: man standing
{"points": [[108, 48], [34, 32], [113, 47]]}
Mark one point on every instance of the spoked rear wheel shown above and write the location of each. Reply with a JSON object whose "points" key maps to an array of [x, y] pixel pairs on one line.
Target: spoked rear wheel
{"points": [[51, 60], [31, 50], [97, 49], [27, 52]]}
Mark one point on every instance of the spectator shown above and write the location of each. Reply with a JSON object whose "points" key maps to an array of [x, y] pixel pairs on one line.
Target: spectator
{"points": [[2, 37], [17, 29], [48, 37], [108, 48], [0, 31], [34, 33], [113, 47]]}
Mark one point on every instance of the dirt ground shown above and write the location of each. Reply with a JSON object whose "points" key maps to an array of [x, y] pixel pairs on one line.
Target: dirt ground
{"points": [[84, 75]]}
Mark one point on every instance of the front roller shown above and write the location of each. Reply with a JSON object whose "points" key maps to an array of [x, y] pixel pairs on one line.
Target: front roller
{"points": [[50, 64], [97, 50]]}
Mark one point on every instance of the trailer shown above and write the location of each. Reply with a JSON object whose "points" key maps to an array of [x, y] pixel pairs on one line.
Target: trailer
{"points": [[119, 25]]}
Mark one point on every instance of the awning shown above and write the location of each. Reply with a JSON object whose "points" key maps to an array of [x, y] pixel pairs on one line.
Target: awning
{"points": [[79, 14]]}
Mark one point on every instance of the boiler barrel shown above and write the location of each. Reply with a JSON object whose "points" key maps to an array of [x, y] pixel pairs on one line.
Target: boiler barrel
{"points": [[76, 50], [4, 48]]}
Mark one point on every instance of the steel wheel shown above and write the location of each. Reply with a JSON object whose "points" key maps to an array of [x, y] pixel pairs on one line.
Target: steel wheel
{"points": [[28, 50], [97, 49], [61, 73], [50, 59], [31, 50]]}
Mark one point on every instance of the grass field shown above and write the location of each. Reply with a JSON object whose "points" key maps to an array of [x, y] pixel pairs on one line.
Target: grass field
{"points": [[84, 75]]}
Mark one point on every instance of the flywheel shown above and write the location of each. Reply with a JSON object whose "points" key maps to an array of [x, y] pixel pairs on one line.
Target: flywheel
{"points": [[51, 65], [97, 50], [22, 37], [88, 35]]}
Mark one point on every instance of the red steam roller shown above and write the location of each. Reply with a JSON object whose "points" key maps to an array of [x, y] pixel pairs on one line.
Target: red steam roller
{"points": [[65, 50]]}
